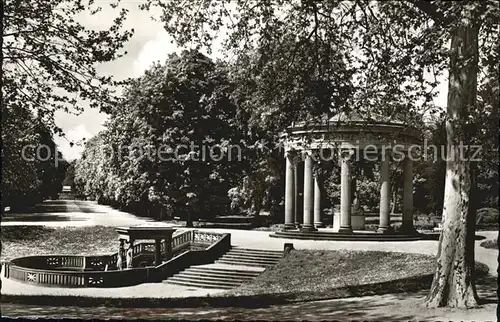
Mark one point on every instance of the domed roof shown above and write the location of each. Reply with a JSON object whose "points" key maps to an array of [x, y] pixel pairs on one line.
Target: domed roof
{"points": [[357, 117], [353, 129]]}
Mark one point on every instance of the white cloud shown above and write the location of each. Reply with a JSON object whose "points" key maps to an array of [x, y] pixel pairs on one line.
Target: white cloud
{"points": [[154, 50], [76, 134]]}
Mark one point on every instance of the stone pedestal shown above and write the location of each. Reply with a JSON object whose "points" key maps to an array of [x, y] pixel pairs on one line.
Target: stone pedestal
{"points": [[168, 248], [357, 221], [157, 252]]}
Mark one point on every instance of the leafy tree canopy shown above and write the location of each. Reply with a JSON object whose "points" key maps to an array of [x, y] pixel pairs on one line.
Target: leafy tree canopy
{"points": [[49, 57]]}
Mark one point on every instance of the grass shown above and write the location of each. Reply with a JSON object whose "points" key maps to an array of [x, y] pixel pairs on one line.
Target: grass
{"points": [[491, 244], [321, 270], [22, 241], [303, 275], [320, 274]]}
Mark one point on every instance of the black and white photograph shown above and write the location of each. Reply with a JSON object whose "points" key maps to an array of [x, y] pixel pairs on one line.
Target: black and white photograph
{"points": [[242, 160]]}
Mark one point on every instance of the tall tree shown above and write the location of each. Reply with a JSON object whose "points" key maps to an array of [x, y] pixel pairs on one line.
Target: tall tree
{"points": [[453, 283], [388, 47], [32, 167], [172, 142]]}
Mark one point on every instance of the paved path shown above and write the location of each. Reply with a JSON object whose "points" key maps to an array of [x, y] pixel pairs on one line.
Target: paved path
{"points": [[78, 213], [390, 307], [385, 307]]}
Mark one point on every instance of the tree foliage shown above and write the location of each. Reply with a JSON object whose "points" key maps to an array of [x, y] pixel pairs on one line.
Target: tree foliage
{"points": [[32, 167], [48, 64], [49, 57], [172, 144], [386, 49]]}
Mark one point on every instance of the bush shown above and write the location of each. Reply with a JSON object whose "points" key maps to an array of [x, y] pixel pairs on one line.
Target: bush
{"points": [[426, 222], [490, 244], [487, 216]]}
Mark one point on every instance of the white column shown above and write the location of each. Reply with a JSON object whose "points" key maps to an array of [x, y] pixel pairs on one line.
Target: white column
{"points": [[296, 205], [317, 204], [385, 194], [345, 192], [289, 192], [407, 225], [308, 193]]}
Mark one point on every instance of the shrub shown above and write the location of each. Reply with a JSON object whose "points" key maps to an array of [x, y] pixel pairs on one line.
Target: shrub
{"points": [[491, 244]]}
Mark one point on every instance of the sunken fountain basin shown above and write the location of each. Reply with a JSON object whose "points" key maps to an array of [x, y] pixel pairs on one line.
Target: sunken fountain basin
{"points": [[104, 271], [72, 271]]}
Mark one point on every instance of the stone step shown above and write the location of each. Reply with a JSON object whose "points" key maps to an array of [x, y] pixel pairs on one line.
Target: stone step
{"points": [[245, 256], [211, 278], [218, 273], [198, 285], [257, 255], [251, 258], [246, 263], [344, 237], [225, 269], [203, 283], [259, 251]]}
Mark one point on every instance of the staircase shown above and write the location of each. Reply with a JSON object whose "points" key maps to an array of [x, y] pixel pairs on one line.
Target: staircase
{"points": [[238, 266], [251, 257]]}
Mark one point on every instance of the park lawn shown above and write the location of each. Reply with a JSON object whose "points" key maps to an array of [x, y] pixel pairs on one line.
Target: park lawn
{"points": [[325, 272], [320, 274], [22, 241]]}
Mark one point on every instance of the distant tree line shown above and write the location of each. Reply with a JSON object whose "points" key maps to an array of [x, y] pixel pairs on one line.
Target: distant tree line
{"points": [[32, 167], [193, 99]]}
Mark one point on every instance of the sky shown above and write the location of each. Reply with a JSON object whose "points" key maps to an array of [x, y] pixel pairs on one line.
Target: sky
{"points": [[150, 43]]}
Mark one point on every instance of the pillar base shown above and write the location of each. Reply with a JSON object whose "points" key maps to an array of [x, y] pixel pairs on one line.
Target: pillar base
{"points": [[319, 225], [308, 228], [289, 227], [385, 230], [345, 230]]}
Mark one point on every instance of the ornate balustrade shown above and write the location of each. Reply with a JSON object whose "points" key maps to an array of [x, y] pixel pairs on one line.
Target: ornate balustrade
{"points": [[202, 237], [182, 239], [76, 279], [45, 277]]}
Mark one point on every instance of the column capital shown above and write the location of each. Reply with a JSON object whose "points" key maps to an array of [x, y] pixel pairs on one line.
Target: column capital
{"points": [[347, 153], [385, 153], [295, 156]]}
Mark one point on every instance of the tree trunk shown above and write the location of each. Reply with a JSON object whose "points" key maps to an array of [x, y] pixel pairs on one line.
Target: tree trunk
{"points": [[189, 217], [453, 283]]}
